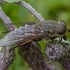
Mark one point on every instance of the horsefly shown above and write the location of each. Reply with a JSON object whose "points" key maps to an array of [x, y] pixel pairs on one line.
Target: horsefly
{"points": [[34, 31]]}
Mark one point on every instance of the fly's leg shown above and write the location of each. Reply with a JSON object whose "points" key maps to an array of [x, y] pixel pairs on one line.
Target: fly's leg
{"points": [[65, 37]]}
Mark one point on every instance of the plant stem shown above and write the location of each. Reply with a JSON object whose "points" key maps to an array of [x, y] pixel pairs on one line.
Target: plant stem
{"points": [[31, 9], [6, 20], [6, 56]]}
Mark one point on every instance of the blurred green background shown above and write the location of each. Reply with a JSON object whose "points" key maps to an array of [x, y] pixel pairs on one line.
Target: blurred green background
{"points": [[49, 9]]}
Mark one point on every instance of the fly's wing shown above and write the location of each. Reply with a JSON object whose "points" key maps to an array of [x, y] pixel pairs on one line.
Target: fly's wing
{"points": [[6, 56], [31, 53]]}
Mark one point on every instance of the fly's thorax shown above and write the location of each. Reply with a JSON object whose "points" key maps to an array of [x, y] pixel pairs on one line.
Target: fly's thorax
{"points": [[48, 26]]}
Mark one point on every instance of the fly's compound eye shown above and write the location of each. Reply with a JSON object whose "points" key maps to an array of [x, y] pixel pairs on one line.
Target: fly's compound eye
{"points": [[62, 27]]}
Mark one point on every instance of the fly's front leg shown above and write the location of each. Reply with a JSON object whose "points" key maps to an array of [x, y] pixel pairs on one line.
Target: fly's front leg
{"points": [[64, 37]]}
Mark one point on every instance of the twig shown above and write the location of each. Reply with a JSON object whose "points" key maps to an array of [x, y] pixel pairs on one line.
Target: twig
{"points": [[31, 9], [6, 20], [6, 56], [39, 17], [65, 63], [32, 54], [1, 1]]}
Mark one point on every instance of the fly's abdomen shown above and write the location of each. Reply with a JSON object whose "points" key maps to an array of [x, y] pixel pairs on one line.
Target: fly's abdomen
{"points": [[29, 31], [22, 34]]}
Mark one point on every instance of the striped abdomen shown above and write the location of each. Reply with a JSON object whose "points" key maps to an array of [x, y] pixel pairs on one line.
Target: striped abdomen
{"points": [[23, 34]]}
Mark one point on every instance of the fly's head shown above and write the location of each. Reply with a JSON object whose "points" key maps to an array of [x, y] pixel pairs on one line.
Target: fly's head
{"points": [[62, 28]]}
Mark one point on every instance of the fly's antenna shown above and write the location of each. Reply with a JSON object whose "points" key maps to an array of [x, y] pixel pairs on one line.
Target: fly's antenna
{"points": [[68, 30]]}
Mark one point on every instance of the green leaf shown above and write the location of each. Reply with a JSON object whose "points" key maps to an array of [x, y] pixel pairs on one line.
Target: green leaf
{"points": [[11, 1]]}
